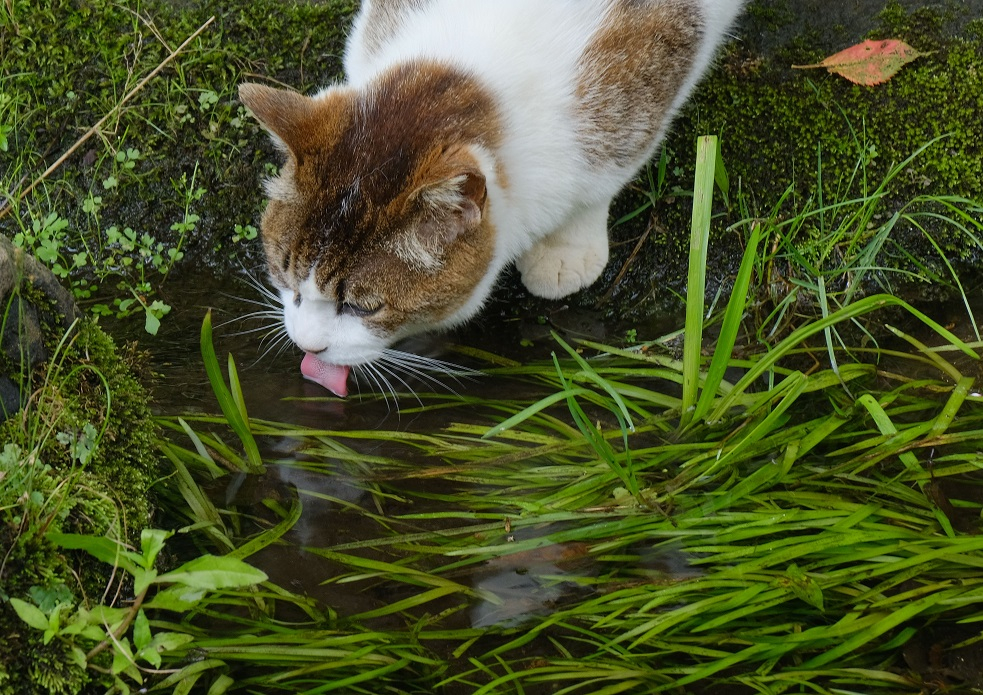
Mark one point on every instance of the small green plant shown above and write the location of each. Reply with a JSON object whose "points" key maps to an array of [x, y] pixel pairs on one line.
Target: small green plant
{"points": [[245, 232], [136, 646], [81, 445], [135, 264], [125, 165]]}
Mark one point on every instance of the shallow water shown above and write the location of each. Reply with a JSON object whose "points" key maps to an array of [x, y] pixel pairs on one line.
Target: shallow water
{"points": [[526, 583], [341, 500]]}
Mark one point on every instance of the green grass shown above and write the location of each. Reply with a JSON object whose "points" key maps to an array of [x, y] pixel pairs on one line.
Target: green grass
{"points": [[752, 528], [820, 532]]}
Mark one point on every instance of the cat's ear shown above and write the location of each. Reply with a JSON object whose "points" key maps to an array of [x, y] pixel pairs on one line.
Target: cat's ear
{"points": [[282, 112], [450, 201], [449, 184], [459, 196]]}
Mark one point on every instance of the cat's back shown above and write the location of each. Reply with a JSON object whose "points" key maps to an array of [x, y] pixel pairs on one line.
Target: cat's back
{"points": [[500, 40], [583, 89]]}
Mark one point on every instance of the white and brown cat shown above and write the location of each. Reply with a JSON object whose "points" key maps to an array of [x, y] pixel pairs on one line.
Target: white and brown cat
{"points": [[467, 135]]}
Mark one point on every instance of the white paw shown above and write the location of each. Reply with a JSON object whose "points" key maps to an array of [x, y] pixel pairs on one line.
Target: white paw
{"points": [[554, 271]]}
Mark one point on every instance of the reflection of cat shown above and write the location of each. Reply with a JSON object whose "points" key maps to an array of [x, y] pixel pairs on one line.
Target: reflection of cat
{"points": [[469, 134]]}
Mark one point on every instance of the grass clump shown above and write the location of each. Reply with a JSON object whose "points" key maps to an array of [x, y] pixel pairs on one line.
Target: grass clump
{"points": [[805, 531]]}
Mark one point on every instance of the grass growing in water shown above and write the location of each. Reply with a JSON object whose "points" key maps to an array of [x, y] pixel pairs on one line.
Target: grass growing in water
{"points": [[724, 523], [730, 524]]}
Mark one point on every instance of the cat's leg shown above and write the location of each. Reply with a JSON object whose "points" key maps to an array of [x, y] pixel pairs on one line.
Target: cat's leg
{"points": [[570, 258]]}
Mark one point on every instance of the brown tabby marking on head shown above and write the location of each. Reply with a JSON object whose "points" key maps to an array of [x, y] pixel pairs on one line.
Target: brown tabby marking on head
{"points": [[644, 47], [384, 19], [384, 197]]}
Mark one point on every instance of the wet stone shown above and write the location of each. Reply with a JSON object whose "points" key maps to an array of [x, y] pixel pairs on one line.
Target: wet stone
{"points": [[34, 305]]}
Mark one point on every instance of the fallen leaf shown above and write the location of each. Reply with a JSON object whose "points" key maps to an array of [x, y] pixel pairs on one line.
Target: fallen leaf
{"points": [[870, 62]]}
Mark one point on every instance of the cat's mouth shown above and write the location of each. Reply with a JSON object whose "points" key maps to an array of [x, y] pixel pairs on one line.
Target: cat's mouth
{"points": [[333, 377]]}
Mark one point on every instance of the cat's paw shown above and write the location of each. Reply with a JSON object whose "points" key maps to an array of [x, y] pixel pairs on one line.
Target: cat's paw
{"points": [[553, 270]]}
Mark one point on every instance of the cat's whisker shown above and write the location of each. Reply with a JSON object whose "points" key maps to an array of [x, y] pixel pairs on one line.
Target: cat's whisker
{"points": [[274, 337], [277, 339], [282, 343], [265, 303], [259, 285], [381, 383], [285, 344], [381, 365], [435, 364], [266, 311], [269, 303], [276, 342], [426, 369], [264, 329], [419, 374], [270, 318]]}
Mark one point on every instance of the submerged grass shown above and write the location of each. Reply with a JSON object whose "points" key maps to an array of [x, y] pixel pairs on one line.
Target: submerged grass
{"points": [[717, 523], [773, 549]]}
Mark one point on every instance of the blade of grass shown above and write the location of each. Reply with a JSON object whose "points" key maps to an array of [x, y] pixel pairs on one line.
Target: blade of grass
{"points": [[706, 158], [858, 308], [228, 402], [729, 329]]}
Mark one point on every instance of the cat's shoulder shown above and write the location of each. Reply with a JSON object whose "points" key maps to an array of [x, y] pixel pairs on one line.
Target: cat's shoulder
{"points": [[378, 21], [467, 31]]}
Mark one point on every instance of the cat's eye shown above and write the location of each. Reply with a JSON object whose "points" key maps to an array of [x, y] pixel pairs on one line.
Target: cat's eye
{"points": [[362, 308]]}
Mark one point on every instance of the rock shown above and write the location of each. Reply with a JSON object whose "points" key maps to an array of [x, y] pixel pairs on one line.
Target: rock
{"points": [[34, 305]]}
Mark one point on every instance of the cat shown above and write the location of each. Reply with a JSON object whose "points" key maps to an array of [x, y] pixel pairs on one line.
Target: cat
{"points": [[467, 135]]}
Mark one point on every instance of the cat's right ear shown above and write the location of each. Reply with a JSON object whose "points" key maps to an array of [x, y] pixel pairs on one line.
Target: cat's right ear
{"points": [[283, 113]]}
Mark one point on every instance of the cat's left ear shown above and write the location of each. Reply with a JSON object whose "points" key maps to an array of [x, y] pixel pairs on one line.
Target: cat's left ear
{"points": [[460, 195], [281, 112], [449, 201]]}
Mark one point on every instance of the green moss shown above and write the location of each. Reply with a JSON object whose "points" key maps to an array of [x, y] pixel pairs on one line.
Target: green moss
{"points": [[88, 399], [67, 64], [823, 138], [80, 458]]}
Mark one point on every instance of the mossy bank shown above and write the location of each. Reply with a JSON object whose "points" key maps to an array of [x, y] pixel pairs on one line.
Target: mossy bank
{"points": [[78, 456], [808, 138]]}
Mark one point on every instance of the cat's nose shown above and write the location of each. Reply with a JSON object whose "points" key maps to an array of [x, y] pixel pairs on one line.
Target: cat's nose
{"points": [[311, 348]]}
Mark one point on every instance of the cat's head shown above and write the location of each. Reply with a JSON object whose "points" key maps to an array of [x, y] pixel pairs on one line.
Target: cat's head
{"points": [[377, 225]]}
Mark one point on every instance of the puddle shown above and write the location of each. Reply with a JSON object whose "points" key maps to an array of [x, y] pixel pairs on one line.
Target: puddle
{"points": [[341, 499]]}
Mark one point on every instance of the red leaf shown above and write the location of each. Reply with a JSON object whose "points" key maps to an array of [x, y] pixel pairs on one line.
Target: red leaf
{"points": [[870, 62]]}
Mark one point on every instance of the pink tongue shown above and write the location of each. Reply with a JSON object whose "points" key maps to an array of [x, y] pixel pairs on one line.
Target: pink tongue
{"points": [[333, 377]]}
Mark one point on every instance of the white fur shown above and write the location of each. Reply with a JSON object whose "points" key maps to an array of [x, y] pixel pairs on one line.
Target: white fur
{"points": [[317, 326]]}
